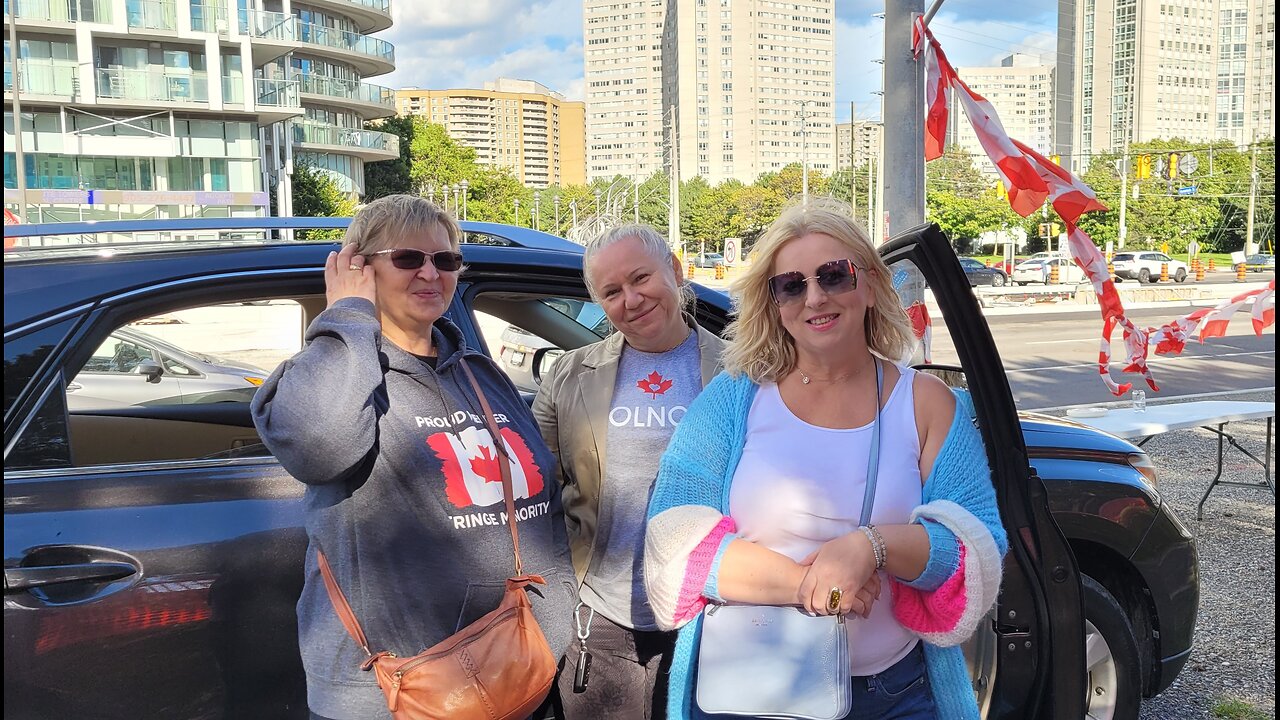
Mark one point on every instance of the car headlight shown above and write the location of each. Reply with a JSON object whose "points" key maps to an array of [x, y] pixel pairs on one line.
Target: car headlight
{"points": [[1141, 462]]}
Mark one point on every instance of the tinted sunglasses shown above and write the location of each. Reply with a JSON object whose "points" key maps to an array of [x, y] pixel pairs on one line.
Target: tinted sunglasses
{"points": [[834, 277], [410, 259]]}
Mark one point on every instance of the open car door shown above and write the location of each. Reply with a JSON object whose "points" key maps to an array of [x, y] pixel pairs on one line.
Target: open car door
{"points": [[1028, 660]]}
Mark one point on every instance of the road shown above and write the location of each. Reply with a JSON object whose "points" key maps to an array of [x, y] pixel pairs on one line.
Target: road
{"points": [[1051, 358]]}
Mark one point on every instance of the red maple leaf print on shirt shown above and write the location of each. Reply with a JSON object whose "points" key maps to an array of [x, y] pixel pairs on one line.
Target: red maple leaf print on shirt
{"points": [[654, 385], [486, 465]]}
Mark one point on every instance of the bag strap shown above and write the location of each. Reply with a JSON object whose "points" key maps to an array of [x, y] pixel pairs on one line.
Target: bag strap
{"points": [[873, 457], [504, 464], [341, 606]]}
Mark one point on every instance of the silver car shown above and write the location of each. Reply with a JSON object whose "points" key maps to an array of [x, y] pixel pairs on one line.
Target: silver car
{"points": [[134, 368]]}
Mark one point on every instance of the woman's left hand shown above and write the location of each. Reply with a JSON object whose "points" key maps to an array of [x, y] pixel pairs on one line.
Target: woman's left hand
{"points": [[848, 563]]}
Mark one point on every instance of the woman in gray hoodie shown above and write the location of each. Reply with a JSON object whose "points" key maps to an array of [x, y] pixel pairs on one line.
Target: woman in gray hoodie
{"points": [[404, 494]]}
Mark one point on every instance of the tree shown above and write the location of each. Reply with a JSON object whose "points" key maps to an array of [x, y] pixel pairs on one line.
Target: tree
{"points": [[390, 177], [436, 160], [316, 194]]}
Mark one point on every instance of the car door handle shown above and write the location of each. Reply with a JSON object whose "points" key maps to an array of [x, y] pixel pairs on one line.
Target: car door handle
{"points": [[21, 579], [74, 386]]}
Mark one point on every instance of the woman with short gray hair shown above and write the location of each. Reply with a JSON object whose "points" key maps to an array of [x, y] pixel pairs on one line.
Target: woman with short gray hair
{"points": [[607, 411]]}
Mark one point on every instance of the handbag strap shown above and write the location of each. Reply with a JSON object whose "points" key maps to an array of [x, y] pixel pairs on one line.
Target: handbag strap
{"points": [[873, 457], [504, 464], [341, 606]]}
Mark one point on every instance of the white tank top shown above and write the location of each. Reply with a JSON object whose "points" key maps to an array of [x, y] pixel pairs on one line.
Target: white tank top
{"points": [[799, 485]]}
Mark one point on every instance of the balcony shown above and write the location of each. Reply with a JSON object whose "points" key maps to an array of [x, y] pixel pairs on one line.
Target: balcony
{"points": [[59, 11], [369, 15], [370, 101], [154, 84], [210, 17], [151, 15], [369, 145], [275, 34], [370, 55], [45, 78]]}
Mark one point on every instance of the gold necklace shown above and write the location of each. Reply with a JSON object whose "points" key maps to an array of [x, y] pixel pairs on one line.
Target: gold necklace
{"points": [[805, 379]]}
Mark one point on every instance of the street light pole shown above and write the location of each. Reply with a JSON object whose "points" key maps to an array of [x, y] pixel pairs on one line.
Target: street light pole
{"points": [[464, 199], [804, 150], [517, 211], [537, 208], [556, 202]]}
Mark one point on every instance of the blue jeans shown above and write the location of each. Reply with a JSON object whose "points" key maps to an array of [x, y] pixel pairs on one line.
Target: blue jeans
{"points": [[900, 693]]}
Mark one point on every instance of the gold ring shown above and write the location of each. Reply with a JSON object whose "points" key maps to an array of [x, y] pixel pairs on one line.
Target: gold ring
{"points": [[833, 600], [354, 267]]}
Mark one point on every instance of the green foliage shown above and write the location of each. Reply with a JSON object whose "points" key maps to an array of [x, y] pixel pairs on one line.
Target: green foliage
{"points": [[1236, 710], [315, 194], [390, 177]]}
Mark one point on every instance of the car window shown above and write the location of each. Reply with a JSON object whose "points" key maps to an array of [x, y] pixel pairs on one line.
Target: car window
{"points": [[1123, 256], [515, 326], [191, 403]]}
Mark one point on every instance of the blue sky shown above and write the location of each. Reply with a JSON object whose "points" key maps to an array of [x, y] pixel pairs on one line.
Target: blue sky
{"points": [[441, 45]]}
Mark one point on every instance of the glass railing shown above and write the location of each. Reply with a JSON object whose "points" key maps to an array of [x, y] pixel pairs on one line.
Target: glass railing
{"points": [[61, 10], [210, 17], [151, 14], [268, 25], [277, 93], [44, 77], [382, 6], [320, 134], [155, 83], [346, 40], [233, 89], [350, 89]]}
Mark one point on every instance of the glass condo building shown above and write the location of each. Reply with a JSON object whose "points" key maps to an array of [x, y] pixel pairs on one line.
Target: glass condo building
{"points": [[189, 108]]}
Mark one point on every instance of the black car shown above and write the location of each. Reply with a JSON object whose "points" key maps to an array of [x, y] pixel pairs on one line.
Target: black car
{"points": [[980, 274], [153, 553]]}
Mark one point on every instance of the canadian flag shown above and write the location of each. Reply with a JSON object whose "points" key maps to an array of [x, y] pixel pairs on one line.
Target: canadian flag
{"points": [[472, 475]]}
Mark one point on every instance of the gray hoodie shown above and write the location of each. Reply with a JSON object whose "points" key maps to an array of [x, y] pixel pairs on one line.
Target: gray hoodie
{"points": [[404, 496]]}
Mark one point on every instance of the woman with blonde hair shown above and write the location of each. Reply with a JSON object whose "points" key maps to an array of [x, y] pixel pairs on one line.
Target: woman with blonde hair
{"points": [[818, 468]]}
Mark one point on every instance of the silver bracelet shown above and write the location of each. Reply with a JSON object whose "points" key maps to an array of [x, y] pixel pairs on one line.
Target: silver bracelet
{"points": [[878, 547]]}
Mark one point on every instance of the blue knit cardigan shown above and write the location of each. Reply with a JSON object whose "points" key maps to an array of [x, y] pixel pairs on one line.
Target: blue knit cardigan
{"points": [[698, 467]]}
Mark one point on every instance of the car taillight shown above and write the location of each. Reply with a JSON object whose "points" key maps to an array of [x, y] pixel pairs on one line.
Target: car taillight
{"points": [[1141, 462]]}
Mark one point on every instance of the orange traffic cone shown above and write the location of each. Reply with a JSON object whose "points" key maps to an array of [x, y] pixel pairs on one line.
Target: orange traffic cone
{"points": [[1240, 272], [1211, 267]]}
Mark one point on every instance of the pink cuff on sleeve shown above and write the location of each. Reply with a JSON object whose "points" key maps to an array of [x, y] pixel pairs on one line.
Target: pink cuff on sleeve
{"points": [[936, 612], [691, 600]]}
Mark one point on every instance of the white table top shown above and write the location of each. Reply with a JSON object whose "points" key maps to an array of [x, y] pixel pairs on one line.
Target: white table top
{"points": [[1129, 423]]}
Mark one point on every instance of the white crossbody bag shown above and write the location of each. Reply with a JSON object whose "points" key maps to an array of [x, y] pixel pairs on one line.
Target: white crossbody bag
{"points": [[768, 661]]}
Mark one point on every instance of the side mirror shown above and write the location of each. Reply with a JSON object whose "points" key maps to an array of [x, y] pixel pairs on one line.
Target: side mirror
{"points": [[543, 359], [150, 369]]}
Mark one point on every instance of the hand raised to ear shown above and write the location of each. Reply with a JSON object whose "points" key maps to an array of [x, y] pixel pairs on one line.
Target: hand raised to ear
{"points": [[347, 274]]}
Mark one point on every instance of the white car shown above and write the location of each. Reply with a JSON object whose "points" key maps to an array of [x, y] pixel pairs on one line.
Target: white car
{"points": [[1038, 270], [1144, 266]]}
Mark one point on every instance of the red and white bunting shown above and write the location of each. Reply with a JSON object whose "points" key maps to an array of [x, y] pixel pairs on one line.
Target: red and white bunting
{"points": [[1031, 179]]}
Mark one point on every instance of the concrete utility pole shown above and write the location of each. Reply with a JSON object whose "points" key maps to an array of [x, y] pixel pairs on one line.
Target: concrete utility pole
{"points": [[903, 119], [19, 158], [537, 211], [1124, 196], [673, 214], [1249, 247]]}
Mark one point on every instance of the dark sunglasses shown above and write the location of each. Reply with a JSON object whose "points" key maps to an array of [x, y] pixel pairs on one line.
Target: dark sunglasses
{"points": [[834, 277], [410, 259]]}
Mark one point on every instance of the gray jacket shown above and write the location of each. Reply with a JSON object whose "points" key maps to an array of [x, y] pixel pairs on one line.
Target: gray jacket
{"points": [[404, 498], [572, 409]]}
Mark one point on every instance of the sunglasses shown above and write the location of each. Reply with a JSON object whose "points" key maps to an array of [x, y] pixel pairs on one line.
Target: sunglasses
{"points": [[410, 259], [834, 277]]}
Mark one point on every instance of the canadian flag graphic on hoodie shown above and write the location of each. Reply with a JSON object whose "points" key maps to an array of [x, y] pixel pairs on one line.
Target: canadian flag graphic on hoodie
{"points": [[472, 476]]}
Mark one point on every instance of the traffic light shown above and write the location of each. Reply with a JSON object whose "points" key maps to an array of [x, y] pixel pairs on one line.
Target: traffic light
{"points": [[1144, 167], [1173, 166]]}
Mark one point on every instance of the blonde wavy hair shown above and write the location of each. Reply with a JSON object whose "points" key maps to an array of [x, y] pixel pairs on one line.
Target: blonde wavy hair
{"points": [[760, 346], [380, 224]]}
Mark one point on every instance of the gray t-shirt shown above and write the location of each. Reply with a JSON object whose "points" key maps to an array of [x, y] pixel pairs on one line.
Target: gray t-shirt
{"points": [[650, 397]]}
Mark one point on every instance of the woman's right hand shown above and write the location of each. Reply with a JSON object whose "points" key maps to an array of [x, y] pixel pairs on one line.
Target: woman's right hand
{"points": [[347, 274]]}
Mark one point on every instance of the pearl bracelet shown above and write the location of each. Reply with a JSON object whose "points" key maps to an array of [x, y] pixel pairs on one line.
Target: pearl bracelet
{"points": [[878, 547]]}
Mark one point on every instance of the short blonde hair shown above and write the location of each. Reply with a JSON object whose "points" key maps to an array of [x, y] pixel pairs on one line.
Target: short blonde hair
{"points": [[761, 348], [652, 242], [381, 223]]}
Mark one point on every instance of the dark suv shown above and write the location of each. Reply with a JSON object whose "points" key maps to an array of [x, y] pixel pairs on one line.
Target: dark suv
{"points": [[153, 552]]}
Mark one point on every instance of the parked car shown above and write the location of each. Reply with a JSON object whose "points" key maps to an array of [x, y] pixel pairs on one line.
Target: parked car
{"points": [[134, 368], [1260, 263], [980, 274], [153, 553], [708, 260], [1145, 267], [1041, 271]]}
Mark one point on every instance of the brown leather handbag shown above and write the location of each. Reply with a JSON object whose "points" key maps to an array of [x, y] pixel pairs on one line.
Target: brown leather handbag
{"points": [[497, 668]]}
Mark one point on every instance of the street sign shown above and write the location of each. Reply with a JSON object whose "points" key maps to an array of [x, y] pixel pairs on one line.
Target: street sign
{"points": [[1188, 190], [1162, 168], [1187, 164]]}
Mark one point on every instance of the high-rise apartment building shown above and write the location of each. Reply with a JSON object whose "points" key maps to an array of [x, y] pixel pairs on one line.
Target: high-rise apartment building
{"points": [[518, 124], [1021, 91], [745, 87], [185, 108], [1198, 70], [856, 142]]}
